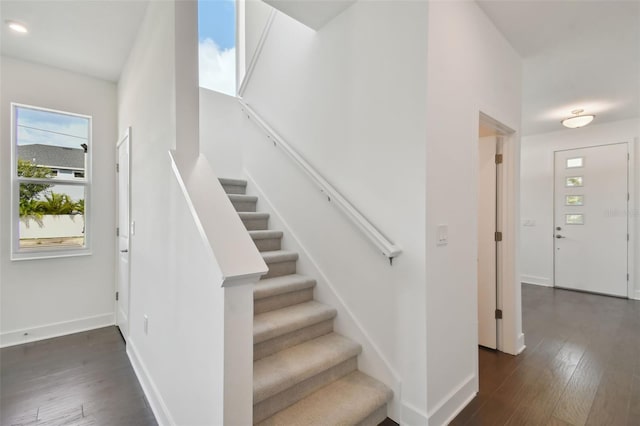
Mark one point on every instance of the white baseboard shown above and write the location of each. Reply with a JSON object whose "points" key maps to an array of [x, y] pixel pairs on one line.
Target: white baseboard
{"points": [[636, 296], [411, 416], [447, 409], [48, 331], [532, 279], [159, 408], [520, 344]]}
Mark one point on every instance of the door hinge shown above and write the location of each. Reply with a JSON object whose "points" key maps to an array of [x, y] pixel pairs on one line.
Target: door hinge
{"points": [[117, 295], [627, 276], [627, 237], [117, 167], [498, 158], [498, 236], [498, 313], [117, 232]]}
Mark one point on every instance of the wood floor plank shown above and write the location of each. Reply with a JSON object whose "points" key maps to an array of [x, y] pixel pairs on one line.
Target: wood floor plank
{"points": [[581, 365], [84, 379]]}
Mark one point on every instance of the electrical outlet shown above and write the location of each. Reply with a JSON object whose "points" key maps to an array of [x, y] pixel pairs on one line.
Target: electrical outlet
{"points": [[146, 324]]}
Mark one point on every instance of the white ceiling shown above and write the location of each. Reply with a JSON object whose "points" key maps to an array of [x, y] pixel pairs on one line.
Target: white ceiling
{"points": [[576, 54], [89, 37]]}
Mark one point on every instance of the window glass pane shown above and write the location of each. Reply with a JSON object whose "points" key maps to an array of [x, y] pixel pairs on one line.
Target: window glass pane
{"points": [[574, 200], [217, 45], [574, 181], [51, 216], [574, 162], [50, 144], [574, 219]]}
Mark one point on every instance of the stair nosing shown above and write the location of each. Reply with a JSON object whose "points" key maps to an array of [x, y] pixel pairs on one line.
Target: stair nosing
{"points": [[242, 197], [265, 234], [279, 256], [232, 182], [299, 316], [285, 372], [284, 284], [378, 396]]}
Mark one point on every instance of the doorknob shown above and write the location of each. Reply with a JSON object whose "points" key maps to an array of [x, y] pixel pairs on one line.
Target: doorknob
{"points": [[560, 236], [124, 251]]}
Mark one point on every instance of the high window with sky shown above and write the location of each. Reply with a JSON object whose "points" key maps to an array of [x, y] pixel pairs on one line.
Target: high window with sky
{"points": [[217, 45]]}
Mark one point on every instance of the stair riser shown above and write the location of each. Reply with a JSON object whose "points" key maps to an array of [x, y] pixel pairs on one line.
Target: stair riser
{"points": [[375, 418], [244, 206], [281, 268], [271, 346], [235, 189], [282, 300], [256, 224], [293, 394], [269, 244]]}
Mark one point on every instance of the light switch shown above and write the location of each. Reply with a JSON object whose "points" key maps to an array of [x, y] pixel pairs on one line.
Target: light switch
{"points": [[443, 235]]}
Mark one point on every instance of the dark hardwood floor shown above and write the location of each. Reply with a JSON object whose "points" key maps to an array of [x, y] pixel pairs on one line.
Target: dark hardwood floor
{"points": [[581, 365], [81, 379]]}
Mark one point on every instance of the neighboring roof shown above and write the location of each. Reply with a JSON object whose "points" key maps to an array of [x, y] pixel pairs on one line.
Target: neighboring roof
{"points": [[52, 156]]}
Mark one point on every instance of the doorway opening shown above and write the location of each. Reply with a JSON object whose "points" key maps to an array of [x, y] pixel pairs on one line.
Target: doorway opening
{"points": [[499, 310]]}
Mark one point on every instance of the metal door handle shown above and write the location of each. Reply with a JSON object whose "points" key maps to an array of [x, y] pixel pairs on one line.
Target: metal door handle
{"points": [[560, 236], [124, 251]]}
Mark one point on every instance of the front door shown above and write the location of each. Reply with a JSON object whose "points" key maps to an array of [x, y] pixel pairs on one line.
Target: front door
{"points": [[591, 224], [123, 245]]}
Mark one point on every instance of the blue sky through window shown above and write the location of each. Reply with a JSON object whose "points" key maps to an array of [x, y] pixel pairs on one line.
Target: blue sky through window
{"points": [[35, 126], [217, 45]]}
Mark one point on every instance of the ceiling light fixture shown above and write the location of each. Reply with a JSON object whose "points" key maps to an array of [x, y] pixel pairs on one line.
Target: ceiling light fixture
{"points": [[578, 119], [17, 27]]}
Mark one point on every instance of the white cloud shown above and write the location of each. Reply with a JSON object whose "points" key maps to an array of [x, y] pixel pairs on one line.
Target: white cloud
{"points": [[217, 67]]}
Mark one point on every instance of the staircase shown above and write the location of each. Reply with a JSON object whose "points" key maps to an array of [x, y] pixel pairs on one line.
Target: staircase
{"points": [[303, 372]]}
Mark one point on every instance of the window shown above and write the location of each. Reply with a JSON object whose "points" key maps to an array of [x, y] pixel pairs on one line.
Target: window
{"points": [[51, 182], [573, 163], [574, 200], [573, 181], [574, 219], [217, 45]]}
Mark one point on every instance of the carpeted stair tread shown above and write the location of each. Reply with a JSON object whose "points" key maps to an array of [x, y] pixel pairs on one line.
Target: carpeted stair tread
{"points": [[253, 215], [278, 256], [280, 285], [282, 370], [233, 182], [242, 198], [346, 401], [264, 234], [286, 320]]}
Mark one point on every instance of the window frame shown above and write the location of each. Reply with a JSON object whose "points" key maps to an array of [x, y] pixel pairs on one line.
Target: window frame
{"points": [[18, 253]]}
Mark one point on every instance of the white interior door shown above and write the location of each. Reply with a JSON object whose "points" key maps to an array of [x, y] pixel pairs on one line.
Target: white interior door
{"points": [[123, 245], [487, 278], [591, 225]]}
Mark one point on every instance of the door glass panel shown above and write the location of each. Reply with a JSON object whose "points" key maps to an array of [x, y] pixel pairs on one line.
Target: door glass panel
{"points": [[573, 181], [573, 163], [574, 200], [574, 219]]}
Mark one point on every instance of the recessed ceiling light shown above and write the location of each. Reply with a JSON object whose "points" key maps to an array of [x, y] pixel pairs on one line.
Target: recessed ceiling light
{"points": [[17, 27], [578, 119]]}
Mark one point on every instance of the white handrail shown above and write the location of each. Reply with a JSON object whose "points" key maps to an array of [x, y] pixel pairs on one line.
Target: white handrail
{"points": [[389, 249], [256, 55]]}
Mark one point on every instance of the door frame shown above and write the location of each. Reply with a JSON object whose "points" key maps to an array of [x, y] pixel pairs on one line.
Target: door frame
{"points": [[508, 292], [632, 293], [126, 137]]}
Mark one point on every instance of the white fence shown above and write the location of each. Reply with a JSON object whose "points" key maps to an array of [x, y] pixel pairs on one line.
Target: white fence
{"points": [[52, 226]]}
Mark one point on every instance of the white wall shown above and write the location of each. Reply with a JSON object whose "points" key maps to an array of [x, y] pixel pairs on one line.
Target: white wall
{"points": [[58, 296], [537, 192], [471, 68], [176, 276], [222, 130], [351, 99]]}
